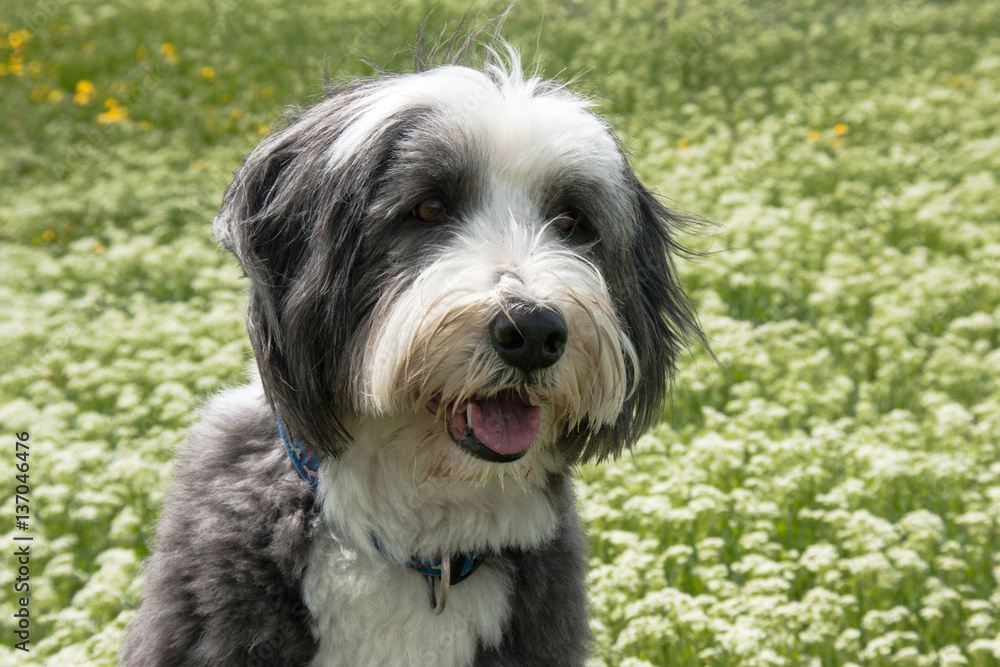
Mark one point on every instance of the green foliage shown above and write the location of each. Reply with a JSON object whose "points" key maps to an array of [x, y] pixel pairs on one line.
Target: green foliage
{"points": [[829, 497]]}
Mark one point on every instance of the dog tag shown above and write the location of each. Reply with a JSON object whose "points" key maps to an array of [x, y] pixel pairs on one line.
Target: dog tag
{"points": [[439, 585]]}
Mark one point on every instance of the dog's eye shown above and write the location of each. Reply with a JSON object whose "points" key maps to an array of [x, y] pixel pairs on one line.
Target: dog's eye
{"points": [[430, 209], [564, 222]]}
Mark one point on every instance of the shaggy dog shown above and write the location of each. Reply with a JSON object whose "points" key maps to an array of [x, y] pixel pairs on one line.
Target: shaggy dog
{"points": [[458, 290]]}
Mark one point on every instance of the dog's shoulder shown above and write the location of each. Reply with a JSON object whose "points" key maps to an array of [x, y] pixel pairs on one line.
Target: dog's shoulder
{"points": [[549, 625], [224, 584]]}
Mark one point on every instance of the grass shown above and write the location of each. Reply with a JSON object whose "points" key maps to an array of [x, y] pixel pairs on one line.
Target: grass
{"points": [[830, 497]]}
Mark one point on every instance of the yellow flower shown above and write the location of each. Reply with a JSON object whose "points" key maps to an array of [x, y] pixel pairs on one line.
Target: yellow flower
{"points": [[840, 129], [813, 136], [208, 73], [17, 39], [113, 113], [16, 64], [4, 70], [955, 81], [236, 114], [49, 235], [35, 68], [145, 125], [266, 92], [38, 93], [263, 129], [170, 51], [56, 96], [85, 92], [682, 142], [98, 247], [837, 143], [141, 53]]}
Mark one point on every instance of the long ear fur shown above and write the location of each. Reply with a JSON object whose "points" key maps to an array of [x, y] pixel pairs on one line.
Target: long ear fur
{"points": [[658, 317], [296, 225]]}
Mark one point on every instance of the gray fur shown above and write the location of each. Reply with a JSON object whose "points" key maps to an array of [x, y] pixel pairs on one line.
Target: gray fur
{"points": [[223, 586]]}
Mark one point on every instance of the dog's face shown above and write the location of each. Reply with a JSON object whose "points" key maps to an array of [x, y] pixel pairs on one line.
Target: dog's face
{"points": [[464, 254]]}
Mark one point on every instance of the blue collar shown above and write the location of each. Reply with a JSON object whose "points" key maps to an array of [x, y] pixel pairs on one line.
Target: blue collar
{"points": [[305, 463], [307, 466]]}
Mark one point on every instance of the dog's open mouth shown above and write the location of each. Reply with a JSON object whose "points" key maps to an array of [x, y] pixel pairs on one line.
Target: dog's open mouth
{"points": [[497, 428]]}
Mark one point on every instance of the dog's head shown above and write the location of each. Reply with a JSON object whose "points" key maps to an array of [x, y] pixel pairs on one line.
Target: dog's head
{"points": [[465, 252]]}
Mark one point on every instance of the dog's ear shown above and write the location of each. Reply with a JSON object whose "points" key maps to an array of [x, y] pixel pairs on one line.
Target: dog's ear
{"points": [[293, 224], [254, 224], [657, 315], [296, 217]]}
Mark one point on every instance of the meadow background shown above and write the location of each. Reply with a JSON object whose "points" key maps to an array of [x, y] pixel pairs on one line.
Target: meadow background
{"points": [[830, 496]]}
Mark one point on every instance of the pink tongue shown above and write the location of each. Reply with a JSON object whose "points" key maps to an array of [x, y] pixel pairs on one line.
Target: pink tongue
{"points": [[507, 424]]}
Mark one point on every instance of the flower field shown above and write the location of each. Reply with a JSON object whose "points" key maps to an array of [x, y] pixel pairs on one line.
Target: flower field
{"points": [[827, 494]]}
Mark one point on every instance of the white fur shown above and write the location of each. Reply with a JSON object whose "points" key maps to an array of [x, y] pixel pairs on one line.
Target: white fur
{"points": [[524, 120], [379, 487], [378, 614], [371, 610], [433, 338]]}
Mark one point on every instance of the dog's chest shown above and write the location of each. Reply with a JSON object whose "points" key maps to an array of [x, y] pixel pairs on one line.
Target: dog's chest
{"points": [[368, 611]]}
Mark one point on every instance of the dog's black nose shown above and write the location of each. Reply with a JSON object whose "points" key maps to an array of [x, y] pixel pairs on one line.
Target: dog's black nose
{"points": [[529, 336]]}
